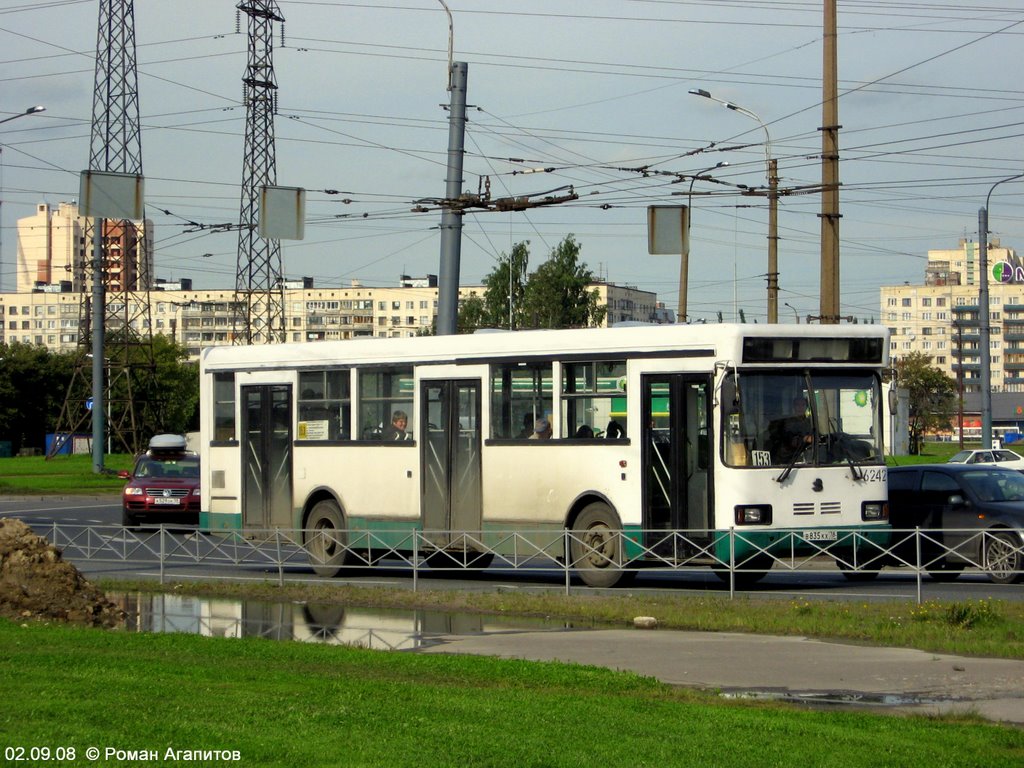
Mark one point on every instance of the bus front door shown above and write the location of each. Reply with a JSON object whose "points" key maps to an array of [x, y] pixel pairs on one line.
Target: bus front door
{"points": [[676, 453], [450, 425], [267, 456]]}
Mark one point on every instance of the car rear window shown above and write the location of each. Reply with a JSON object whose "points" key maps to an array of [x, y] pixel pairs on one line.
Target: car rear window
{"points": [[902, 481]]}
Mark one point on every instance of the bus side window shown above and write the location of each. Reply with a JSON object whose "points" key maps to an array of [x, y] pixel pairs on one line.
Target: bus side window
{"points": [[223, 407], [325, 407], [593, 395], [521, 393], [383, 392]]}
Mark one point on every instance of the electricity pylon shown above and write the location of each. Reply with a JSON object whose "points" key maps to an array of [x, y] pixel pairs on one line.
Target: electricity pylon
{"points": [[120, 276]]}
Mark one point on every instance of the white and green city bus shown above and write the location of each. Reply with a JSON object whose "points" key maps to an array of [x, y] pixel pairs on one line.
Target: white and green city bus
{"points": [[654, 429]]}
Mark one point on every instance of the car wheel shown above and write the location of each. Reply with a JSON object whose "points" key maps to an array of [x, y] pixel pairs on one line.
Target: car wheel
{"points": [[128, 519], [1002, 559], [945, 572]]}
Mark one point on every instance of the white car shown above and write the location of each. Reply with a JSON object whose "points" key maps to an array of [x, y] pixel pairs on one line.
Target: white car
{"points": [[999, 457]]}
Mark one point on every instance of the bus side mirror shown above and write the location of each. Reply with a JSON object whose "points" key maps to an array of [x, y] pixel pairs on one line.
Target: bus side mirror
{"points": [[729, 394]]}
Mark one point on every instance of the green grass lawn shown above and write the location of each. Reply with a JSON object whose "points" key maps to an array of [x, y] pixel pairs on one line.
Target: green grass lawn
{"points": [[294, 704], [25, 475]]}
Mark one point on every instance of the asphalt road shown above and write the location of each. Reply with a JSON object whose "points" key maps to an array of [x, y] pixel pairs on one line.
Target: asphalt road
{"points": [[817, 580]]}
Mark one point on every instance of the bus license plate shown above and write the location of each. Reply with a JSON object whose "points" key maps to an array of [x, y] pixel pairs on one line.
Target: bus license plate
{"points": [[161, 501], [821, 536]]}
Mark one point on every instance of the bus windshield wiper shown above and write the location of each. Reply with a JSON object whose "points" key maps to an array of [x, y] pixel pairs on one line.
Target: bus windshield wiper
{"points": [[792, 462]]}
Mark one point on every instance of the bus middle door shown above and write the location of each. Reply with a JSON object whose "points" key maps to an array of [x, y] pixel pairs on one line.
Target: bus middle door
{"points": [[450, 424], [267, 456]]}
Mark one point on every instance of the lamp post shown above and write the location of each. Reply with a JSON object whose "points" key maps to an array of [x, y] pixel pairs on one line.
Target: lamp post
{"points": [[772, 174], [796, 315], [985, 325], [29, 111], [684, 257]]}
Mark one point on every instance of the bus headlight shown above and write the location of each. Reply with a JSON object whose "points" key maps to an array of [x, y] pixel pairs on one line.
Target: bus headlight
{"points": [[874, 510], [753, 514]]}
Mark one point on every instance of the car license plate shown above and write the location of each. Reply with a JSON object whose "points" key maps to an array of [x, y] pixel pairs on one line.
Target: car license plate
{"points": [[821, 536], [162, 501]]}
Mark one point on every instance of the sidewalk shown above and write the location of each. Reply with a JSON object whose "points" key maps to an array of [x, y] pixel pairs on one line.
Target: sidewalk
{"points": [[788, 668]]}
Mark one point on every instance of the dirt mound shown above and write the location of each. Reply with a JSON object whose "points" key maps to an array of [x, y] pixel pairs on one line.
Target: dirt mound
{"points": [[35, 582]]}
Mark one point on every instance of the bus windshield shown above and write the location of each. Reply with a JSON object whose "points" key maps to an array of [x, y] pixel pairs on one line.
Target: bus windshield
{"points": [[817, 418]]}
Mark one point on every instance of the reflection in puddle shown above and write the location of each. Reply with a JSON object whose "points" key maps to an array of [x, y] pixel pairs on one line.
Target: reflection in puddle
{"points": [[333, 624]]}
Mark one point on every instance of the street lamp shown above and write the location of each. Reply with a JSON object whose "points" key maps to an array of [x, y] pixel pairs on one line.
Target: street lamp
{"points": [[684, 257], [29, 111], [796, 315], [983, 316], [772, 173]]}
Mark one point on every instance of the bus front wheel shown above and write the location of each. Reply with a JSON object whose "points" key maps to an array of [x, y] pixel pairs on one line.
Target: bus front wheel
{"points": [[326, 539], [595, 547]]}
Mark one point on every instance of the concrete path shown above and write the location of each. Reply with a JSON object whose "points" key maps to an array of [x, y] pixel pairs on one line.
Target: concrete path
{"points": [[791, 668]]}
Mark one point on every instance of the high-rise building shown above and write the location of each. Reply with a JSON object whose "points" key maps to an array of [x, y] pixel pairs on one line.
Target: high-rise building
{"points": [[51, 247], [52, 250], [941, 316]]}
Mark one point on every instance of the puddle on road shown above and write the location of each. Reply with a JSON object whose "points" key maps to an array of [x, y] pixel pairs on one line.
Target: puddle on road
{"points": [[838, 699], [393, 630]]}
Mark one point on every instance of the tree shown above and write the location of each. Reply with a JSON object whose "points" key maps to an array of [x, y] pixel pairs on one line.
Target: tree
{"points": [[178, 382], [932, 394], [557, 295], [33, 382], [472, 316], [506, 289]]}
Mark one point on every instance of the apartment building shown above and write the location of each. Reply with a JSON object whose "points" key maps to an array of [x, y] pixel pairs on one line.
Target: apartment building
{"points": [[941, 317], [49, 315]]}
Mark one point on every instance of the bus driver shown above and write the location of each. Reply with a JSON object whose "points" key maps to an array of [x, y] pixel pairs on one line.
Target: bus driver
{"points": [[788, 436]]}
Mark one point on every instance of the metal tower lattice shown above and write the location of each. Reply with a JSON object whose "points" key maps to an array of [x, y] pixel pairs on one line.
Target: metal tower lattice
{"points": [[125, 265], [259, 289]]}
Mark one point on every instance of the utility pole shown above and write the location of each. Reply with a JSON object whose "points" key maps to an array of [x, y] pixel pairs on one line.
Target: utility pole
{"points": [[451, 214], [120, 271], [829, 301], [773, 241], [984, 317], [259, 286]]}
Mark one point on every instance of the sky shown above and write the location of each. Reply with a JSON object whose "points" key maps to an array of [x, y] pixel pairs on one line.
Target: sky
{"points": [[931, 108]]}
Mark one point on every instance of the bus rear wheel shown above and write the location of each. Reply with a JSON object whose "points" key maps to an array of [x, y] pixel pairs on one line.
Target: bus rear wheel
{"points": [[326, 539], [595, 548]]}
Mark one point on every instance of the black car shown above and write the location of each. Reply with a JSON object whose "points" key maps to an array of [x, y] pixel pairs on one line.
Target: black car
{"points": [[967, 513]]}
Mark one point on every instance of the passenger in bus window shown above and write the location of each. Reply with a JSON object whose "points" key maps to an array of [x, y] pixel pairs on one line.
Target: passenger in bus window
{"points": [[787, 436], [527, 430], [584, 432], [614, 431], [541, 430], [396, 429]]}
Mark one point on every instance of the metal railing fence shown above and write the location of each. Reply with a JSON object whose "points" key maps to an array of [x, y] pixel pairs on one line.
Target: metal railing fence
{"points": [[738, 556]]}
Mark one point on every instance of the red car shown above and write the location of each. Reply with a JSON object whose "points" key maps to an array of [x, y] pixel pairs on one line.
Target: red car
{"points": [[164, 485]]}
